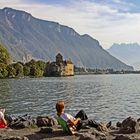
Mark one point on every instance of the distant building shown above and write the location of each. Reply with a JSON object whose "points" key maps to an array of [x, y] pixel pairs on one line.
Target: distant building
{"points": [[60, 67], [27, 58]]}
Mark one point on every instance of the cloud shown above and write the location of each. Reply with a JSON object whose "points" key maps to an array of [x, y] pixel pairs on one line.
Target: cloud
{"points": [[101, 20]]}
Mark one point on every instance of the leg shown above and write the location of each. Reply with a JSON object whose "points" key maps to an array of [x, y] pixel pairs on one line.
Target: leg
{"points": [[84, 123], [93, 123], [82, 115]]}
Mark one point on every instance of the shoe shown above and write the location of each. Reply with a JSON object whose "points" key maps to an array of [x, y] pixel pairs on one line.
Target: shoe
{"points": [[108, 124]]}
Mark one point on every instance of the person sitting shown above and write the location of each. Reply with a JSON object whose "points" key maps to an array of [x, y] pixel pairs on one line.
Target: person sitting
{"points": [[72, 124], [3, 122]]}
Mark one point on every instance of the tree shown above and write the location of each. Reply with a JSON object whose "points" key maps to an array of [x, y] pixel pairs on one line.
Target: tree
{"points": [[4, 55], [36, 68], [19, 69], [36, 71], [11, 71], [3, 70], [26, 70], [42, 65]]}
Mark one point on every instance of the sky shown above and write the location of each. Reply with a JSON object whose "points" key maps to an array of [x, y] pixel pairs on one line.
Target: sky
{"points": [[108, 21]]}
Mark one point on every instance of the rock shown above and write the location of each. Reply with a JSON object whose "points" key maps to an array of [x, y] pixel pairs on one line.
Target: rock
{"points": [[137, 127], [118, 124], [86, 136], [23, 124], [46, 121], [15, 138], [42, 121], [102, 127], [113, 128], [99, 135], [52, 121], [46, 130], [122, 137], [128, 126]]}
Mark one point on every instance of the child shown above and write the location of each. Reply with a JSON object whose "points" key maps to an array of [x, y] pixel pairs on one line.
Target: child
{"points": [[3, 122]]}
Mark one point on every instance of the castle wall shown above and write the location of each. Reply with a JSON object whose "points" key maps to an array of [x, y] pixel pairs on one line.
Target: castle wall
{"points": [[69, 70]]}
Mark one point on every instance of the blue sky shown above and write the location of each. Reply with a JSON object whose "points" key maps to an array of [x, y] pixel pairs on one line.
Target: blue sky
{"points": [[131, 5], [109, 21]]}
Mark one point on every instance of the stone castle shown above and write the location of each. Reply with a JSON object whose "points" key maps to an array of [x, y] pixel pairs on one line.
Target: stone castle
{"points": [[60, 67]]}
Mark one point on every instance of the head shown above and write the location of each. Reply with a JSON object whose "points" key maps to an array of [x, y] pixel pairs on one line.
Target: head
{"points": [[60, 107]]}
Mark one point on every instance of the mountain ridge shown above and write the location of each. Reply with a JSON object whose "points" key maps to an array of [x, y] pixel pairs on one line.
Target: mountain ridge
{"points": [[127, 52], [24, 34]]}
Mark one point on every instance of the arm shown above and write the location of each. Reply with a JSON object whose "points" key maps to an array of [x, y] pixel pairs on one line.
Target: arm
{"points": [[73, 122], [2, 118], [4, 121]]}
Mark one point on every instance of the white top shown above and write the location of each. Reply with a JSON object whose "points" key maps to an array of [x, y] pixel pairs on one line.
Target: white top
{"points": [[1, 115], [67, 117]]}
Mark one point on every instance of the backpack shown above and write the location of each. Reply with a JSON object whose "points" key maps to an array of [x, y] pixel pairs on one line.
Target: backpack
{"points": [[65, 126]]}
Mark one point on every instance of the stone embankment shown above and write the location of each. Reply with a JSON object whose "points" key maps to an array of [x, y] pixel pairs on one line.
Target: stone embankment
{"points": [[46, 128]]}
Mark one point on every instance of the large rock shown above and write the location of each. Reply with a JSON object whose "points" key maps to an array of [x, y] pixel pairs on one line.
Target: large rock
{"points": [[86, 136], [23, 122], [15, 138], [98, 133], [46, 130], [46, 121], [102, 127], [122, 137], [128, 126]]}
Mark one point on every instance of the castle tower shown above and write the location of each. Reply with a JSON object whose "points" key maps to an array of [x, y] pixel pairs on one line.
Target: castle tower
{"points": [[59, 58]]}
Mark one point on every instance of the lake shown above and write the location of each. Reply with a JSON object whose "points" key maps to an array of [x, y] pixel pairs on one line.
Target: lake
{"points": [[103, 97]]}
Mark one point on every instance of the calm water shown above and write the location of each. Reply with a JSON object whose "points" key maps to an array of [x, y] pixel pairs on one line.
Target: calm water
{"points": [[103, 97]]}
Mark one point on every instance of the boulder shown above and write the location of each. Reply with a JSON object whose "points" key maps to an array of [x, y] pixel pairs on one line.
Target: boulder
{"points": [[137, 127], [86, 136], [122, 137], [46, 121], [15, 138], [102, 127], [98, 133], [23, 124], [46, 130], [118, 124], [128, 126]]}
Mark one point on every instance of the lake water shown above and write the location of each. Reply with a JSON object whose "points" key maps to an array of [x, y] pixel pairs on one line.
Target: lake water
{"points": [[103, 97]]}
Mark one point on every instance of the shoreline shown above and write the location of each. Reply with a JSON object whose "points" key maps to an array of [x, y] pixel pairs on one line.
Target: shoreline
{"points": [[45, 127]]}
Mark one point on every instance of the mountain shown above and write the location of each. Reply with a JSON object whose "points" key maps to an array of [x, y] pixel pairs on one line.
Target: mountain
{"points": [[25, 35], [128, 53]]}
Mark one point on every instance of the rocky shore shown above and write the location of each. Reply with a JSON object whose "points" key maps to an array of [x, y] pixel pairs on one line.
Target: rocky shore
{"points": [[47, 128]]}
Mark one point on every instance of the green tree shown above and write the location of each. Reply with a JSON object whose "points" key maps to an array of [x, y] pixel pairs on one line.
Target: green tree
{"points": [[3, 70], [42, 65], [26, 70], [19, 69], [36, 71], [36, 68], [4, 55], [11, 71], [31, 63]]}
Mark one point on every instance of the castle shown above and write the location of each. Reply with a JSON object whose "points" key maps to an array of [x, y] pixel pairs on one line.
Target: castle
{"points": [[60, 67]]}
